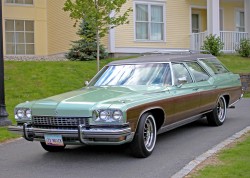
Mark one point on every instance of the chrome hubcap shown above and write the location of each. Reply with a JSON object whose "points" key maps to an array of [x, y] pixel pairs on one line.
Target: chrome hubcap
{"points": [[149, 133], [221, 110]]}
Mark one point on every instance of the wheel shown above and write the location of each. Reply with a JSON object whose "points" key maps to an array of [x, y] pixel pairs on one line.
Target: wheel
{"points": [[218, 115], [52, 148], [145, 137]]}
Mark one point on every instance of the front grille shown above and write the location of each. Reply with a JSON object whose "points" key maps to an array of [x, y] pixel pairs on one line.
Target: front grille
{"points": [[59, 121]]}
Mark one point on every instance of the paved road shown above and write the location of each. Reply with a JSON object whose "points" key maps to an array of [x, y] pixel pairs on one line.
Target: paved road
{"points": [[173, 151]]}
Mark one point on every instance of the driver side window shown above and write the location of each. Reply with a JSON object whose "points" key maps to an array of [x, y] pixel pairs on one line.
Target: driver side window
{"points": [[181, 74]]}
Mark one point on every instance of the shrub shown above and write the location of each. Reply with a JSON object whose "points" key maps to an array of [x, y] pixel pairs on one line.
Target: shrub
{"points": [[244, 48], [213, 44], [86, 48], [85, 51]]}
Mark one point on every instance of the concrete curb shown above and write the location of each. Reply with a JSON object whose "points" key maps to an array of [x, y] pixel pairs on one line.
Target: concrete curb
{"points": [[192, 164]]}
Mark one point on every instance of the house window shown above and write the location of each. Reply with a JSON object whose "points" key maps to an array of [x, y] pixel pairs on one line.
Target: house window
{"points": [[240, 21], [149, 22], [28, 2], [19, 37]]}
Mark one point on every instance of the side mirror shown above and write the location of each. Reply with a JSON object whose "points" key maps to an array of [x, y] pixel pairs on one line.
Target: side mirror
{"points": [[86, 83], [181, 81]]}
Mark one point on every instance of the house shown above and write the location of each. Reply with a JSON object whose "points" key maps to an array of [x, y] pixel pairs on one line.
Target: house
{"points": [[181, 24], [36, 28], [42, 28]]}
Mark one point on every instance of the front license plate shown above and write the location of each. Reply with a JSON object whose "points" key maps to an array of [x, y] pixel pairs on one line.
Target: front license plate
{"points": [[53, 140]]}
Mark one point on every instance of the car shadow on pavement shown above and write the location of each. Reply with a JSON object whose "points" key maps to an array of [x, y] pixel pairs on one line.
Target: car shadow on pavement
{"points": [[91, 152]]}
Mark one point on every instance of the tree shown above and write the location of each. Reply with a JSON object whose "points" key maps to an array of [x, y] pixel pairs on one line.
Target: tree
{"points": [[100, 15], [84, 49]]}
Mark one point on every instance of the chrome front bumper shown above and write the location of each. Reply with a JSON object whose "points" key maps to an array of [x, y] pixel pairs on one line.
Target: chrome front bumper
{"points": [[92, 136]]}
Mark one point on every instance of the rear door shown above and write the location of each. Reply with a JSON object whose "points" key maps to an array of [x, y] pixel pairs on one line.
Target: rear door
{"points": [[186, 99], [204, 83]]}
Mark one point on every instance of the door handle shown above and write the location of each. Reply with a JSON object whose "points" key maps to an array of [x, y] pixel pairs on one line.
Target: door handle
{"points": [[195, 89], [215, 86]]}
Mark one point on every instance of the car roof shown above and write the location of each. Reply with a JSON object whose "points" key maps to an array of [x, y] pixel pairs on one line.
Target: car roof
{"points": [[161, 58]]}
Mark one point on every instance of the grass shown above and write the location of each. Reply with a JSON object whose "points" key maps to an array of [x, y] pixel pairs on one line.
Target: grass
{"points": [[236, 63], [31, 80], [235, 162]]}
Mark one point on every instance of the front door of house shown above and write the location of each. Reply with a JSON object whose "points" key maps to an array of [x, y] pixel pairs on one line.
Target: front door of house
{"points": [[195, 23]]}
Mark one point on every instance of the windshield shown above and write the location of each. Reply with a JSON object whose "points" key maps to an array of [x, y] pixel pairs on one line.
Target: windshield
{"points": [[133, 74]]}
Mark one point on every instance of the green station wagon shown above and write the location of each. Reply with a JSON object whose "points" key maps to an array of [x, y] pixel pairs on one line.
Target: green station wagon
{"points": [[131, 101]]}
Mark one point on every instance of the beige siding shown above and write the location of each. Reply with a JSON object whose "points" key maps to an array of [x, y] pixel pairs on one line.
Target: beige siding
{"points": [[178, 24], [60, 28], [124, 34], [198, 3], [105, 41]]}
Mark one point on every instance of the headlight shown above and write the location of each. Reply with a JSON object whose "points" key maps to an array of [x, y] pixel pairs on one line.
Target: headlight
{"points": [[108, 116], [28, 113], [23, 114], [104, 115], [117, 115], [20, 113]]}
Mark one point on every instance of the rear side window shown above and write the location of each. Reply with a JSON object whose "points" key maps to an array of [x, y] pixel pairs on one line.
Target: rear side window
{"points": [[198, 72], [214, 66]]}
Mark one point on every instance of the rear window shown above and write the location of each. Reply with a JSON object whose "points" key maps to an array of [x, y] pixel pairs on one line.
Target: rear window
{"points": [[214, 66], [198, 72]]}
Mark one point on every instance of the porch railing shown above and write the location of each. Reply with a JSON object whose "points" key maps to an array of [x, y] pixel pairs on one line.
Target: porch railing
{"points": [[197, 40], [231, 40]]}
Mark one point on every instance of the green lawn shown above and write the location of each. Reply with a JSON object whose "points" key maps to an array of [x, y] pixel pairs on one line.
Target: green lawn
{"points": [[25, 81], [235, 163], [236, 63]]}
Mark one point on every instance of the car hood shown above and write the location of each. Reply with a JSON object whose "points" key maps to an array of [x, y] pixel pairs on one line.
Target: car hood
{"points": [[81, 103]]}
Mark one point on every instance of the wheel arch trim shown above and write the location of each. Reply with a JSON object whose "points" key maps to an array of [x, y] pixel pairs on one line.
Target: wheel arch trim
{"points": [[151, 109]]}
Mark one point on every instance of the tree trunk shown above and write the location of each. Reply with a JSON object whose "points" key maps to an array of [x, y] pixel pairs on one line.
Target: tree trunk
{"points": [[98, 50]]}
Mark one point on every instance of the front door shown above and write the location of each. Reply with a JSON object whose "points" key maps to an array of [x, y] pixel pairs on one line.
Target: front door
{"points": [[195, 23]]}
